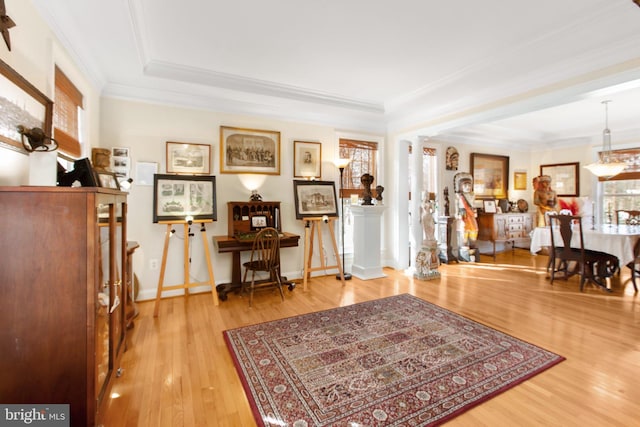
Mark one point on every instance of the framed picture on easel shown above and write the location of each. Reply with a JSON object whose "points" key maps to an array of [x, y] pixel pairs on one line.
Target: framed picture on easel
{"points": [[315, 198], [178, 196]]}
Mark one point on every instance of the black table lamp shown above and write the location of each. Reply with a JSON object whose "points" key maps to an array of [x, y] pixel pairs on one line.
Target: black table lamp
{"points": [[341, 164]]}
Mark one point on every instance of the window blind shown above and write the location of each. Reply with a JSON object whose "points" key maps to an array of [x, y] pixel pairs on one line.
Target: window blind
{"points": [[68, 100]]}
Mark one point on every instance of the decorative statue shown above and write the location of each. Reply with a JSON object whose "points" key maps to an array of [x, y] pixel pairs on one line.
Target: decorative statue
{"points": [[427, 258], [366, 181], [428, 223], [545, 199], [379, 190], [463, 186]]}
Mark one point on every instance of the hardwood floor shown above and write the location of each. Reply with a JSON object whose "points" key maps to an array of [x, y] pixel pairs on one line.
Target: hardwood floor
{"points": [[178, 372]]}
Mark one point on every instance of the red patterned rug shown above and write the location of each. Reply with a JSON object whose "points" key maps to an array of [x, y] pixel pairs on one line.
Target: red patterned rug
{"points": [[395, 361]]}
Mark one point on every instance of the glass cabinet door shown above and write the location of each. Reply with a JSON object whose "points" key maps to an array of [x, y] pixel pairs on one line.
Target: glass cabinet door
{"points": [[105, 211]]}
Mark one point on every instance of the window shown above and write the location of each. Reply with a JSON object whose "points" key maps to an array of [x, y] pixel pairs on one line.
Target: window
{"points": [[623, 190], [363, 155], [66, 115]]}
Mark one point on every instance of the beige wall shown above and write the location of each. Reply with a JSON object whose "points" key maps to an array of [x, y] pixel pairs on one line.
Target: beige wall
{"points": [[145, 129]]}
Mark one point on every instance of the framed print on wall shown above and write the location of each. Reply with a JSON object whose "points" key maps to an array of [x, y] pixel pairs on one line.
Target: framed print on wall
{"points": [[490, 176], [565, 178], [519, 180], [249, 151], [315, 198], [176, 196], [23, 104], [186, 158], [307, 159]]}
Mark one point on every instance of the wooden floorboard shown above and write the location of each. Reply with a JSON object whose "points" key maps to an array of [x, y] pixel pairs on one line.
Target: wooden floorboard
{"points": [[178, 372]]}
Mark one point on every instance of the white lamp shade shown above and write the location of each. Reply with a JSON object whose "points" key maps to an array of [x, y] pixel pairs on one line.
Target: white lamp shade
{"points": [[341, 163], [606, 170]]}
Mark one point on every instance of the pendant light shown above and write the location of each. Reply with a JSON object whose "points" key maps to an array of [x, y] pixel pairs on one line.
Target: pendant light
{"points": [[605, 167]]}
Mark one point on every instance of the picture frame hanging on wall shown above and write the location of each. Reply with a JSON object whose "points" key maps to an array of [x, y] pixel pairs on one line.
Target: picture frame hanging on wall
{"points": [[187, 158], [307, 159], [22, 104], [490, 176], [315, 198], [565, 178], [249, 151], [176, 196]]}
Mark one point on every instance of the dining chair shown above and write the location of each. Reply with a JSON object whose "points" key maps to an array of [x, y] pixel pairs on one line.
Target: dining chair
{"points": [[627, 217], [634, 265], [592, 266], [265, 257]]}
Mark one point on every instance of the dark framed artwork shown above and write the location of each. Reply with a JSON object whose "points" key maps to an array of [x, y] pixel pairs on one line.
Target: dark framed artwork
{"points": [[176, 196], [249, 151], [108, 180], [565, 178], [490, 176], [187, 158], [315, 198], [307, 159], [23, 104]]}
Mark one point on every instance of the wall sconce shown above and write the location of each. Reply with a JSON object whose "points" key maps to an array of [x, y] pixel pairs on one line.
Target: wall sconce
{"points": [[36, 138]]}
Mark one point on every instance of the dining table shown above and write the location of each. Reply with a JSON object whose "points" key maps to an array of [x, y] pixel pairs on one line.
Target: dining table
{"points": [[617, 240]]}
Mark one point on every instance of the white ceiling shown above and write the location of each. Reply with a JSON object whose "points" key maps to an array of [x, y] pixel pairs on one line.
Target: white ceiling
{"points": [[457, 69]]}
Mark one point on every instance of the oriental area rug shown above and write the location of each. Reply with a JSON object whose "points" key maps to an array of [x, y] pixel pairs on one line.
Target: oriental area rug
{"points": [[396, 361]]}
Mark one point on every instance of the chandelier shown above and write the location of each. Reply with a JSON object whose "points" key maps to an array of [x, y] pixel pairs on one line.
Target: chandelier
{"points": [[605, 167]]}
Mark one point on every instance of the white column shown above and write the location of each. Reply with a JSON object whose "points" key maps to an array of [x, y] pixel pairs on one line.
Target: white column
{"points": [[366, 242]]}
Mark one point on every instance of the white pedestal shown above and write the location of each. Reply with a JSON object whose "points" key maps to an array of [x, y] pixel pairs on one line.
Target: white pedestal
{"points": [[366, 242]]}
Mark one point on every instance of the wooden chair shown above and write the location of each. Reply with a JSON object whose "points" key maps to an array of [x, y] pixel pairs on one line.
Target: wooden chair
{"points": [[592, 266], [634, 265], [265, 257], [627, 217]]}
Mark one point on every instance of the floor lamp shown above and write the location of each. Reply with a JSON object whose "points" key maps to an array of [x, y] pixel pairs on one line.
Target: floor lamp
{"points": [[341, 164]]}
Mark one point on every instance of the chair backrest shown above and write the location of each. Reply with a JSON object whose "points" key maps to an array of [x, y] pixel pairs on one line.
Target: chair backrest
{"points": [[266, 248], [567, 225], [628, 217]]}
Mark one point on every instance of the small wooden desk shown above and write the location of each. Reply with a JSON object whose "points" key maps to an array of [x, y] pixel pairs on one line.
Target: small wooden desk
{"points": [[235, 246]]}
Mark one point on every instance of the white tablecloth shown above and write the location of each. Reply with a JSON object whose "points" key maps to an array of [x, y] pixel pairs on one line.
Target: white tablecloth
{"points": [[612, 239]]}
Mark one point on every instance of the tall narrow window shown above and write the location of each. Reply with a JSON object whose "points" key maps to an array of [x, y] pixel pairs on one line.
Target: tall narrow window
{"points": [[66, 109], [363, 155]]}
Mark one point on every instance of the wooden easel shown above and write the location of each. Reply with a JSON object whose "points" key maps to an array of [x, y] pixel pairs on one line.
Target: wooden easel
{"points": [[313, 225], [186, 285]]}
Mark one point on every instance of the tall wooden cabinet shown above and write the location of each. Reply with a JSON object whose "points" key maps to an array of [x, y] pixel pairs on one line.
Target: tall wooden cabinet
{"points": [[62, 305]]}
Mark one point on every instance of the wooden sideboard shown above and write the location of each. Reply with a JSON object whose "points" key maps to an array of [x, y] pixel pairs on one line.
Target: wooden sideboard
{"points": [[62, 280], [513, 228]]}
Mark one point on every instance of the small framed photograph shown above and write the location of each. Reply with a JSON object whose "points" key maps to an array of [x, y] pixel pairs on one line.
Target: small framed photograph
{"points": [[249, 151], [188, 159], [489, 206], [108, 180], [315, 198], [307, 159], [176, 196], [258, 222]]}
